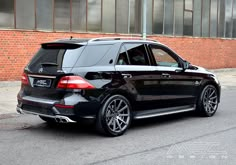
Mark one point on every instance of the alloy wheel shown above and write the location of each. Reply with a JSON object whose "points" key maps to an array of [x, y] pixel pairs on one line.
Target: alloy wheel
{"points": [[210, 100], [117, 115]]}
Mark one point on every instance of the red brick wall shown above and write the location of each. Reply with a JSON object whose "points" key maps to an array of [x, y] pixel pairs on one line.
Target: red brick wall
{"points": [[17, 47]]}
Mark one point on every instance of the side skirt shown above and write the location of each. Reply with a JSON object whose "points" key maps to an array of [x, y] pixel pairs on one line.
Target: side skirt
{"points": [[163, 111]]}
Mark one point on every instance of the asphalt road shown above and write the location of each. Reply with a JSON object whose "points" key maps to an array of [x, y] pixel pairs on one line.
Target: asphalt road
{"points": [[177, 139]]}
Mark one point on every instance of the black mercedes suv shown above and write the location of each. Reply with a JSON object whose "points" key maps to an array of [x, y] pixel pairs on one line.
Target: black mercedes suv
{"points": [[113, 81]]}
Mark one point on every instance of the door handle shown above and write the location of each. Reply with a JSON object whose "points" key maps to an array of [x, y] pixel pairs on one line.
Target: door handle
{"points": [[127, 75], [165, 75]]}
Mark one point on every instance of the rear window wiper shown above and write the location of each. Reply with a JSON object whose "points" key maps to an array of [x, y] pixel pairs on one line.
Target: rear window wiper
{"points": [[47, 64]]}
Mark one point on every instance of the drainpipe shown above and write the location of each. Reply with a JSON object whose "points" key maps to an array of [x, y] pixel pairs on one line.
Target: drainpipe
{"points": [[144, 17], [129, 18]]}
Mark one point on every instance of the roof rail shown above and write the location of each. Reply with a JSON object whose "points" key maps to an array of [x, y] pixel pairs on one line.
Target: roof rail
{"points": [[119, 38]]}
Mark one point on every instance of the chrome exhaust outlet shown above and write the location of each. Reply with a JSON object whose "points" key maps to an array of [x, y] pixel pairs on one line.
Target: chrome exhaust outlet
{"points": [[63, 119], [19, 110]]}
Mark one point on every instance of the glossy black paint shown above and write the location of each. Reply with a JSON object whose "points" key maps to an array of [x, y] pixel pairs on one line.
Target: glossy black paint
{"points": [[146, 87]]}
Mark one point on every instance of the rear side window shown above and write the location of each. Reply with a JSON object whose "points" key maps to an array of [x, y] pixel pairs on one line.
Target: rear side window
{"points": [[92, 54], [133, 54], [123, 57], [58, 58]]}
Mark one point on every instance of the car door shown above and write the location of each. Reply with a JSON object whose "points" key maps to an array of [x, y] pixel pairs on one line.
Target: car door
{"points": [[178, 86], [134, 65]]}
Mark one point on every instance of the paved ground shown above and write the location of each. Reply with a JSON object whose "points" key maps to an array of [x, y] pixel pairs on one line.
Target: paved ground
{"points": [[181, 139]]}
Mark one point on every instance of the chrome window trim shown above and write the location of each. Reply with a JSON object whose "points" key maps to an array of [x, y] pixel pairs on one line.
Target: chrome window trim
{"points": [[134, 68], [41, 76]]}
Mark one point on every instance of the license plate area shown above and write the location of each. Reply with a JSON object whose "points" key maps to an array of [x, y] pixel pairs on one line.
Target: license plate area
{"points": [[41, 82]]}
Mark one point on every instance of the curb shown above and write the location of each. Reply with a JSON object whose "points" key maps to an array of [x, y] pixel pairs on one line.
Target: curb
{"points": [[222, 70], [9, 84]]}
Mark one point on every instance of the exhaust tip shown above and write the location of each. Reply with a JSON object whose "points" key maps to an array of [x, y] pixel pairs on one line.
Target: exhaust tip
{"points": [[63, 119], [19, 110]]}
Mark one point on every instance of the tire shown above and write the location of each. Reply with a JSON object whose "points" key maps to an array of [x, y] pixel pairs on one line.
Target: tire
{"points": [[114, 117], [48, 120], [208, 101]]}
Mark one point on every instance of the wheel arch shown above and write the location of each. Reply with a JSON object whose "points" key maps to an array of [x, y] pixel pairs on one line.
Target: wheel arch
{"points": [[123, 93]]}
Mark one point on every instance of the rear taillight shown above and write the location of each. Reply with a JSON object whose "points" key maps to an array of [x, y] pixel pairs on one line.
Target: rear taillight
{"points": [[74, 82], [24, 79], [64, 106]]}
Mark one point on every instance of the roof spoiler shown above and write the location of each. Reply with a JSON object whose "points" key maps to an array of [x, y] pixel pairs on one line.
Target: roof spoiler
{"points": [[60, 45]]}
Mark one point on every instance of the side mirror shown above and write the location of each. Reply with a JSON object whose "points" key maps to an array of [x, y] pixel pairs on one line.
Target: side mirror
{"points": [[186, 65]]}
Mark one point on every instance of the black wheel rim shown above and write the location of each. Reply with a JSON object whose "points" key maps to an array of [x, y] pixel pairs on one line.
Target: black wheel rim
{"points": [[117, 115], [210, 100]]}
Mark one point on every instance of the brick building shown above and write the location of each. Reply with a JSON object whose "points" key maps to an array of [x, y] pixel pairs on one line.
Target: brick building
{"points": [[201, 31]]}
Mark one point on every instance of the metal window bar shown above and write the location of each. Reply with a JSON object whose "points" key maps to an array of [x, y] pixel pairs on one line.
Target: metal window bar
{"points": [[86, 15], [232, 18], [53, 15], [70, 15], [14, 14], [101, 29], [35, 15]]}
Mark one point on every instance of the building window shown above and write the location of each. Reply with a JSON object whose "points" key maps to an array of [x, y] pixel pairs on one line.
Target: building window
{"points": [[44, 13], [149, 16], [229, 19], [168, 17], [158, 16], [221, 18], [179, 20], [25, 14], [205, 18], [78, 16], [7, 13], [197, 18], [108, 16], [188, 17], [94, 15], [213, 21], [62, 15], [122, 12]]}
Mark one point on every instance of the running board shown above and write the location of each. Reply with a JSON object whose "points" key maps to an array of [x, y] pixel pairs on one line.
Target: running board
{"points": [[162, 112]]}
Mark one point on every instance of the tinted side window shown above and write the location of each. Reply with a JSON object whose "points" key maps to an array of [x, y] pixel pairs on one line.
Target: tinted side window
{"points": [[163, 57], [133, 54], [137, 54], [123, 58], [70, 57], [92, 54]]}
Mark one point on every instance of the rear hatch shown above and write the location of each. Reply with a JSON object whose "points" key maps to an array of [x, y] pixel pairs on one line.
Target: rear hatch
{"points": [[50, 66], [55, 58]]}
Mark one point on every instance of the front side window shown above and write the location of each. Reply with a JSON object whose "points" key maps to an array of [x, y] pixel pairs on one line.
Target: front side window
{"points": [[133, 54], [163, 57]]}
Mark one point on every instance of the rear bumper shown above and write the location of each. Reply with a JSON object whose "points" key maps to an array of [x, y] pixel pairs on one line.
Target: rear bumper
{"points": [[72, 108], [58, 118]]}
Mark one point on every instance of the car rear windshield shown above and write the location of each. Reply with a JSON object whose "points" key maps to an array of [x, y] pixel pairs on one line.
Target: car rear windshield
{"points": [[57, 57]]}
